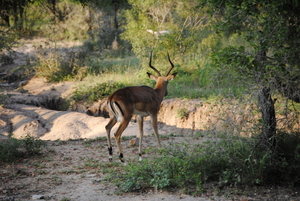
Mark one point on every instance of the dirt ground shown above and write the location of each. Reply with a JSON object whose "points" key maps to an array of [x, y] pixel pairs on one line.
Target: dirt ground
{"points": [[73, 169], [64, 173]]}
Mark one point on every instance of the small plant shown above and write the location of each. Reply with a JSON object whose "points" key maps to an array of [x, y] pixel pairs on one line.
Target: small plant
{"points": [[183, 113], [136, 178], [57, 180], [160, 180], [13, 149], [32, 146], [65, 199]]}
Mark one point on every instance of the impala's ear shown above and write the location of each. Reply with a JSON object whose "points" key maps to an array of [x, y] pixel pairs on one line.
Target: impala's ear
{"points": [[152, 77], [171, 77]]}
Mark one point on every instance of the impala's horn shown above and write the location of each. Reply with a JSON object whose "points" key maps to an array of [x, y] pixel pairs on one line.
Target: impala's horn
{"points": [[172, 65], [152, 66]]}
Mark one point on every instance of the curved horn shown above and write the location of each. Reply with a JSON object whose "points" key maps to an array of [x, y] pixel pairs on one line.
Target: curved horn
{"points": [[152, 66], [172, 65]]}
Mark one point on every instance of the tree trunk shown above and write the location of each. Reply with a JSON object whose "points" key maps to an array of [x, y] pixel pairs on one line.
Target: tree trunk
{"points": [[268, 117], [265, 101]]}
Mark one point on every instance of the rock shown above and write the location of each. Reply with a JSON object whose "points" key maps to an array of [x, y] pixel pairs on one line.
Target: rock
{"points": [[134, 142], [38, 197]]}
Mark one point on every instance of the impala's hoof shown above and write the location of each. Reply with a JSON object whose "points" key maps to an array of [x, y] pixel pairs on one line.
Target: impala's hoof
{"points": [[121, 157], [110, 150]]}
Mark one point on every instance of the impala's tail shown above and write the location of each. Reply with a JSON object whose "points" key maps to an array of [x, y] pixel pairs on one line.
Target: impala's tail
{"points": [[116, 110]]}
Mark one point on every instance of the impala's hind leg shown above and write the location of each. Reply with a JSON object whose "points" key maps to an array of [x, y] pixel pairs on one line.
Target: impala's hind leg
{"points": [[140, 123], [154, 125], [108, 128], [123, 125]]}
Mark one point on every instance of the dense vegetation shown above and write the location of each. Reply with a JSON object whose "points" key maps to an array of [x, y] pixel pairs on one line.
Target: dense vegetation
{"points": [[244, 50]]}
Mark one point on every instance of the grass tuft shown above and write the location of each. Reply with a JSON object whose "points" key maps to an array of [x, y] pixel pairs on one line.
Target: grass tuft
{"points": [[14, 149]]}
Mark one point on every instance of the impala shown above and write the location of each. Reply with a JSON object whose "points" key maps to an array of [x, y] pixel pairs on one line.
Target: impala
{"points": [[137, 100]]}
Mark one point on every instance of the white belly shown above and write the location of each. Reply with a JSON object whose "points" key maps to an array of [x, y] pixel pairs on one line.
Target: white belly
{"points": [[141, 113]]}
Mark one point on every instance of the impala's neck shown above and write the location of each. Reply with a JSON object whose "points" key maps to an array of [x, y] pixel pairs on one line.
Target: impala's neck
{"points": [[161, 88]]}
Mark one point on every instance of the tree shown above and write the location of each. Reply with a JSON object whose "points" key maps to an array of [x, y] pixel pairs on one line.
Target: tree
{"points": [[105, 21], [166, 25], [271, 58], [14, 9]]}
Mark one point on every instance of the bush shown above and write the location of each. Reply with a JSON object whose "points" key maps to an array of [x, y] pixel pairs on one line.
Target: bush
{"points": [[95, 93], [175, 168], [285, 164], [55, 67], [14, 149], [8, 38], [232, 161]]}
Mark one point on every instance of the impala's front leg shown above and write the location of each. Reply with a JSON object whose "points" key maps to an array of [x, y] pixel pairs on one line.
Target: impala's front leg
{"points": [[108, 127], [140, 123]]}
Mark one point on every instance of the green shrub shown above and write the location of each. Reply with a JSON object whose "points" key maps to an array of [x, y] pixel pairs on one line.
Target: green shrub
{"points": [[9, 150], [144, 175], [49, 67], [8, 38], [55, 67], [173, 169], [14, 149], [284, 167], [229, 161], [31, 145], [95, 93]]}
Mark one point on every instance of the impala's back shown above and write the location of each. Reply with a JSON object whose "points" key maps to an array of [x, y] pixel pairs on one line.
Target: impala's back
{"points": [[137, 100]]}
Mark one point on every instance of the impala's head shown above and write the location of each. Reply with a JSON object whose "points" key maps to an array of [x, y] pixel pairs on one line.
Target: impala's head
{"points": [[162, 81]]}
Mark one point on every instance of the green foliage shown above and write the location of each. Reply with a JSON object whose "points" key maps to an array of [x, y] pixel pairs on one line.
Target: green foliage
{"points": [[67, 21], [32, 145], [284, 168], [144, 175], [229, 161], [270, 56], [160, 180], [99, 65], [171, 170], [8, 39], [13, 149], [95, 93], [9, 150], [182, 113], [186, 26], [189, 43], [55, 67]]}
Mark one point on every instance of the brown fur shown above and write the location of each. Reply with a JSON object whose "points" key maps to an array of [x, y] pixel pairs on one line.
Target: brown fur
{"points": [[139, 100]]}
